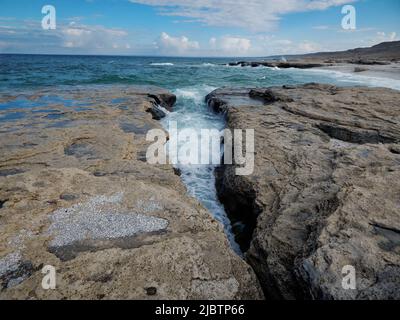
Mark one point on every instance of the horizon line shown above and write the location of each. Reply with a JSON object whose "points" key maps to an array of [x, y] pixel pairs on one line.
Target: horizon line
{"points": [[189, 57]]}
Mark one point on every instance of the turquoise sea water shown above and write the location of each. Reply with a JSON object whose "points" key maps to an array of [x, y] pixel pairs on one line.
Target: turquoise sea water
{"points": [[190, 79], [18, 72]]}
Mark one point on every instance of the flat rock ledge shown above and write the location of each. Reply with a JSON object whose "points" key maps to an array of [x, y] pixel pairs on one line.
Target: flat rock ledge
{"points": [[77, 193], [325, 189]]}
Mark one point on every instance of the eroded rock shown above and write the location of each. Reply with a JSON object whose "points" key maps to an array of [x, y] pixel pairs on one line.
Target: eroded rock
{"points": [[80, 197], [325, 191]]}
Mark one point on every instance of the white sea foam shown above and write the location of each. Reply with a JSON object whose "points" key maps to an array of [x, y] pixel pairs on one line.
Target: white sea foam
{"points": [[196, 93], [163, 109], [357, 79], [192, 112], [271, 68], [161, 64], [189, 93]]}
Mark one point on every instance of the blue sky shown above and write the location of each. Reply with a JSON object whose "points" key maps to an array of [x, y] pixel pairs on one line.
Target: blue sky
{"points": [[194, 27]]}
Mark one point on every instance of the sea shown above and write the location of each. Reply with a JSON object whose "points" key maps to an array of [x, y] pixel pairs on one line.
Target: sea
{"points": [[190, 79]]}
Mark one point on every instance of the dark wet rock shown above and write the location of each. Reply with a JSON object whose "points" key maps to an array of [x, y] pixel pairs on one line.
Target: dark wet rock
{"points": [[156, 112], [178, 172], [278, 64], [394, 149], [369, 62], [236, 204], [2, 202], [325, 188], [71, 251], [151, 291], [99, 174], [10, 172], [166, 100]]}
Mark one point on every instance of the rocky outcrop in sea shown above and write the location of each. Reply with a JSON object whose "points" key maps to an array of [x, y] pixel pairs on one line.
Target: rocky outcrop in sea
{"points": [[279, 64]]}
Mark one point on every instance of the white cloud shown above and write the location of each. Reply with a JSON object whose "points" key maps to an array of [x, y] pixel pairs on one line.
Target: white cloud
{"points": [[82, 36], [266, 45], [167, 44], [232, 46], [256, 15], [307, 47], [259, 45], [71, 37], [382, 36]]}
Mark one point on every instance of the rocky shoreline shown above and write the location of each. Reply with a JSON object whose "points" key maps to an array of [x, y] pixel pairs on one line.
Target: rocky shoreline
{"points": [[369, 68], [381, 61], [325, 190], [77, 193]]}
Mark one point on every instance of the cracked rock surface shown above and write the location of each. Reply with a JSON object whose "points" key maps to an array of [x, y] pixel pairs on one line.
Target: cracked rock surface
{"points": [[76, 193], [325, 192]]}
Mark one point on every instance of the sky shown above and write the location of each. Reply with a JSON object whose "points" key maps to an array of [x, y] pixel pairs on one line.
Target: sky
{"points": [[198, 28]]}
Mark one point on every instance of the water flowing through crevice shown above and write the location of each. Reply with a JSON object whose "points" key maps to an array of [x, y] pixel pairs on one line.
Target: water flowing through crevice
{"points": [[191, 112]]}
